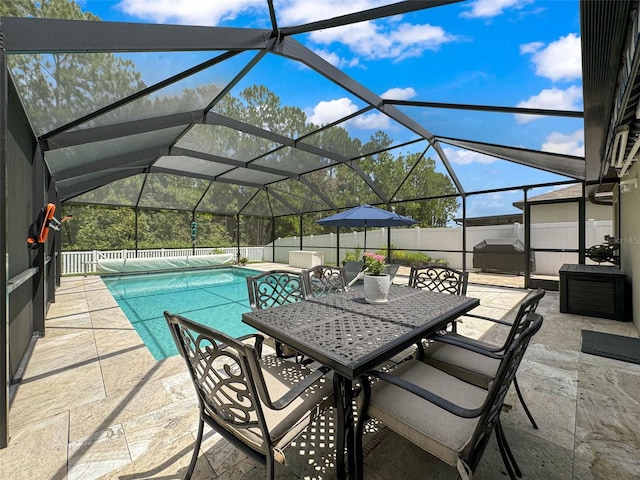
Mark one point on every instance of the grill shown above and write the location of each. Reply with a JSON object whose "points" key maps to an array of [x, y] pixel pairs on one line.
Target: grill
{"points": [[505, 255]]}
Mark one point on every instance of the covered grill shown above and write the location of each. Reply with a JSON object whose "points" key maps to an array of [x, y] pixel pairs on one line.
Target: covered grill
{"points": [[505, 255]]}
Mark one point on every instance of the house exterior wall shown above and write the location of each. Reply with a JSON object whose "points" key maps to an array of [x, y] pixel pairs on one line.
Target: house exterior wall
{"points": [[630, 240], [568, 212]]}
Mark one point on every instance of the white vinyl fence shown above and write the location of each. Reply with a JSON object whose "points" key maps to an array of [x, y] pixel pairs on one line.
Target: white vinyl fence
{"points": [[86, 262], [438, 242], [435, 242]]}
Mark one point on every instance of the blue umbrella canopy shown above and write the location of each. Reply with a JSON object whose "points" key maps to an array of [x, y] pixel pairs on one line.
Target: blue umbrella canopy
{"points": [[367, 216]]}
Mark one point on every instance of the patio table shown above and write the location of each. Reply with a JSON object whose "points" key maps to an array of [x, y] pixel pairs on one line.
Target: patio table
{"points": [[351, 337]]}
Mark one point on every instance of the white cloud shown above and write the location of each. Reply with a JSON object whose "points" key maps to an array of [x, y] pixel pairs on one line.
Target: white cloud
{"points": [[329, 111], [465, 157], [398, 93], [532, 47], [560, 60], [380, 39], [188, 12], [491, 8], [572, 144], [553, 99], [371, 121], [374, 41], [335, 60], [384, 38], [296, 12]]}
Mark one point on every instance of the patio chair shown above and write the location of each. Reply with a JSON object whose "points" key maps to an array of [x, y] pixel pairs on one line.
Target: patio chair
{"points": [[449, 418], [277, 287], [352, 269], [323, 279], [476, 361], [439, 278], [391, 270], [258, 404]]}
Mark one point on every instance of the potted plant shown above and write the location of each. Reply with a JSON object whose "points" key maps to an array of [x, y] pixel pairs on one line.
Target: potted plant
{"points": [[242, 261], [376, 282]]}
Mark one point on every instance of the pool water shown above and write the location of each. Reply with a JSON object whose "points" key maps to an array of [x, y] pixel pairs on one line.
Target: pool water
{"points": [[215, 297]]}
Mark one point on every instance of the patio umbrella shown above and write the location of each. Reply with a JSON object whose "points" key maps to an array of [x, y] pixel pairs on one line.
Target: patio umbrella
{"points": [[367, 216]]}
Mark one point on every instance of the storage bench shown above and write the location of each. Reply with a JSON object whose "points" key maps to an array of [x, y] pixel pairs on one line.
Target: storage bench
{"points": [[593, 290], [305, 258]]}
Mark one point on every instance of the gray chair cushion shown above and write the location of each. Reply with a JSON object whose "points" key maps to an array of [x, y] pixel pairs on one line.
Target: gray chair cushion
{"points": [[469, 366], [284, 425], [430, 427]]}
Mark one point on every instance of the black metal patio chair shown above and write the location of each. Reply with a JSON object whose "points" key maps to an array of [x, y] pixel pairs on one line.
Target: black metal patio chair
{"points": [[323, 279], [448, 417], [259, 404], [352, 269], [273, 288], [476, 361], [439, 278]]}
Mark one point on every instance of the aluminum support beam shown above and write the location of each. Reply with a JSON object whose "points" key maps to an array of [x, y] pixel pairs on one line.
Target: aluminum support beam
{"points": [[488, 108], [231, 162], [366, 15], [46, 35], [217, 119], [108, 132], [5, 377], [73, 189], [130, 160], [566, 165]]}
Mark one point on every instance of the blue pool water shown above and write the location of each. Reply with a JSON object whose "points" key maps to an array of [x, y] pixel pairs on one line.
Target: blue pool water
{"points": [[215, 297]]}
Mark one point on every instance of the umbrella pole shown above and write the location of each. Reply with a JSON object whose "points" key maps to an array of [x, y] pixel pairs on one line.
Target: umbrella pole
{"points": [[388, 244], [365, 237]]}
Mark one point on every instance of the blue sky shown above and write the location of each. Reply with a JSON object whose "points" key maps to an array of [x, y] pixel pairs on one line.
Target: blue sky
{"points": [[523, 53]]}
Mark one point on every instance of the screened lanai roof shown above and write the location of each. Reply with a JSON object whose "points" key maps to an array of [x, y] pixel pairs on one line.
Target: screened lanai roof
{"points": [[192, 140]]}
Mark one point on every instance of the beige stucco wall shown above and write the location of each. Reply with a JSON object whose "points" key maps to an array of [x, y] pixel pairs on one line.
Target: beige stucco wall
{"points": [[568, 212], [630, 240]]}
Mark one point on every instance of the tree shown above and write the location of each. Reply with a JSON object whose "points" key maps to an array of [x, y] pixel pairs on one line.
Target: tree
{"points": [[60, 87]]}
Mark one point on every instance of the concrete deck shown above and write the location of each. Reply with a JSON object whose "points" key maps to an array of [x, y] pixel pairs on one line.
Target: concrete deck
{"points": [[94, 404]]}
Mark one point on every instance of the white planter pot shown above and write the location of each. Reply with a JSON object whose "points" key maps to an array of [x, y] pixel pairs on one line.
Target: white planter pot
{"points": [[376, 288]]}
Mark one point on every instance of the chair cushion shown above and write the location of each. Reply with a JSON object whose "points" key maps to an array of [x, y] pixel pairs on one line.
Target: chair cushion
{"points": [[281, 376], [465, 364], [284, 425], [432, 428]]}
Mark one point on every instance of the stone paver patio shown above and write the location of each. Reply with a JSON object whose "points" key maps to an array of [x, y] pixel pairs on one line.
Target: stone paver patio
{"points": [[94, 404]]}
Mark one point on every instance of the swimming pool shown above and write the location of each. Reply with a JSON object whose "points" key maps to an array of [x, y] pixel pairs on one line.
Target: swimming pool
{"points": [[215, 297]]}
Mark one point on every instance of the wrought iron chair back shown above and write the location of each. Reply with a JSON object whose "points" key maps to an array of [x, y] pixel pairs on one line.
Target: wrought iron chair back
{"points": [[438, 278], [233, 392], [275, 287], [527, 306], [323, 279], [352, 269]]}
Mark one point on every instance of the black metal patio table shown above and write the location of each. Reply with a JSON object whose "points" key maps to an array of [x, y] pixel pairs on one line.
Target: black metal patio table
{"points": [[350, 336]]}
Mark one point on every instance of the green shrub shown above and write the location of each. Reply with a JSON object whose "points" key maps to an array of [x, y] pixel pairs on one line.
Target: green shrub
{"points": [[352, 256], [414, 259]]}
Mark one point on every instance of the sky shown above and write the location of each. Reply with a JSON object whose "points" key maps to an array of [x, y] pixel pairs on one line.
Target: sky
{"points": [[516, 53]]}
